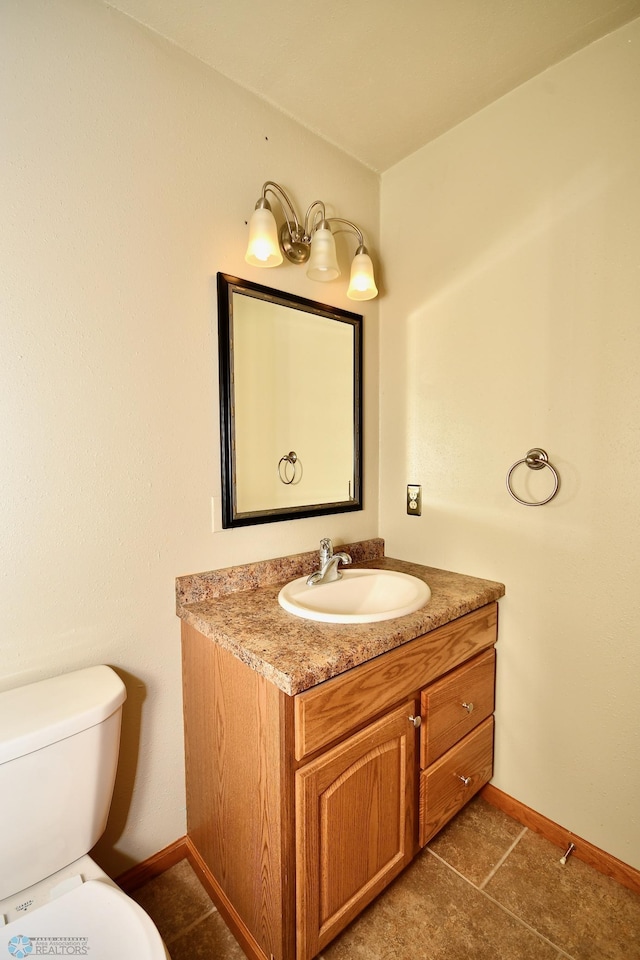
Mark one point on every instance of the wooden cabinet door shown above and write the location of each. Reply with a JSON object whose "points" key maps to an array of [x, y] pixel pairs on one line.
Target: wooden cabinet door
{"points": [[355, 826]]}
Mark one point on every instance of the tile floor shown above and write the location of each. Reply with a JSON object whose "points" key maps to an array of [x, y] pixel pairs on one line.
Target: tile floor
{"points": [[485, 888]]}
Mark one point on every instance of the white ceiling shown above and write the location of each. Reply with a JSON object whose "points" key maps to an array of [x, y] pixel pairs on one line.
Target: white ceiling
{"points": [[380, 78]]}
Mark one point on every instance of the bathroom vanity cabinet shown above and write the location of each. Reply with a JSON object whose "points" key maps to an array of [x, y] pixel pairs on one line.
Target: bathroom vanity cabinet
{"points": [[302, 808]]}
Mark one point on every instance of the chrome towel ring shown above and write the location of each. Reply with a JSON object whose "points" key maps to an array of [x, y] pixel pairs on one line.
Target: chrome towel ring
{"points": [[536, 459], [287, 467]]}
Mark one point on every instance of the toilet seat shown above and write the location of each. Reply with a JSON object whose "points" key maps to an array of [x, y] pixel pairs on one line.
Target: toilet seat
{"points": [[94, 919]]}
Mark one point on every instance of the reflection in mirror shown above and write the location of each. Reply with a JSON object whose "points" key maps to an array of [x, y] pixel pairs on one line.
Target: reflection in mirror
{"points": [[290, 405]]}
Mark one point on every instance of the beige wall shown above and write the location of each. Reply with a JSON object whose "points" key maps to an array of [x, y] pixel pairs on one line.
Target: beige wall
{"points": [[129, 170], [513, 323]]}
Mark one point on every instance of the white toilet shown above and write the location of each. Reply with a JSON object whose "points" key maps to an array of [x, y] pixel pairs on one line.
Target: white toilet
{"points": [[59, 742]]}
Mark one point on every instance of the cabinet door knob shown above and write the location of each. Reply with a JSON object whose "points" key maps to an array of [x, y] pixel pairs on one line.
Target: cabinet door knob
{"points": [[416, 721], [468, 707], [465, 780]]}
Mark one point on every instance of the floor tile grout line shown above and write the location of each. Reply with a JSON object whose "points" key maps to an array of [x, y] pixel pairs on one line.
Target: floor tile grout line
{"points": [[561, 952], [501, 906], [502, 859], [191, 926]]}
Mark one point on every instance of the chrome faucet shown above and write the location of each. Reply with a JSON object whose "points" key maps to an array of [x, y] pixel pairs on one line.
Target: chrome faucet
{"points": [[328, 564]]}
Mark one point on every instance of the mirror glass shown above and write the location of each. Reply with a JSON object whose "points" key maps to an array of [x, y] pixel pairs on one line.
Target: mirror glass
{"points": [[290, 405]]}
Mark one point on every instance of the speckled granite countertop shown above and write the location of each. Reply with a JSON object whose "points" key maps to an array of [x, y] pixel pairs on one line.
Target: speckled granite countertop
{"points": [[238, 608]]}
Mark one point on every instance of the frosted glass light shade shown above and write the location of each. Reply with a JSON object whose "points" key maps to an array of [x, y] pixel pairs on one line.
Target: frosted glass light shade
{"points": [[263, 249], [362, 285], [323, 262]]}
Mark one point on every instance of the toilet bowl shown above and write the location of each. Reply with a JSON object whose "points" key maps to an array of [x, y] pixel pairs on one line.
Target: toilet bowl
{"points": [[93, 918], [58, 753]]}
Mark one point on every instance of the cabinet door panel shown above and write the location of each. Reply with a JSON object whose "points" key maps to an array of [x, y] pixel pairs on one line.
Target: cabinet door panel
{"points": [[355, 815]]}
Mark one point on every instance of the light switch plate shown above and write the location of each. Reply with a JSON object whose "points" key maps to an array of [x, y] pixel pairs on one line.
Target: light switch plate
{"points": [[414, 499]]}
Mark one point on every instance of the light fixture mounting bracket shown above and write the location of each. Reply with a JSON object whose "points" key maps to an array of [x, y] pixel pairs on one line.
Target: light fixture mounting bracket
{"points": [[296, 248]]}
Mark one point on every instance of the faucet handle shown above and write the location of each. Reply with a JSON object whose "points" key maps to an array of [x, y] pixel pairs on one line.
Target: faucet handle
{"points": [[326, 549]]}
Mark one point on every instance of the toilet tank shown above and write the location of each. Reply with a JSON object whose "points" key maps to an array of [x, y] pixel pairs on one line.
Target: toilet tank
{"points": [[59, 741]]}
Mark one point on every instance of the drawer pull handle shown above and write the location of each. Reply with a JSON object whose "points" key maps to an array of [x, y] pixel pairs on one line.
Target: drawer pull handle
{"points": [[416, 721], [468, 707], [465, 780]]}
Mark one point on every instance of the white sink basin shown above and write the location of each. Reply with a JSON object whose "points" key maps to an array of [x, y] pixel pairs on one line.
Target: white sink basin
{"points": [[360, 596]]}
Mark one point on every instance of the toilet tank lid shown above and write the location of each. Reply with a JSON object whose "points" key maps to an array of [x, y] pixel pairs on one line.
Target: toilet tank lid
{"points": [[39, 714]]}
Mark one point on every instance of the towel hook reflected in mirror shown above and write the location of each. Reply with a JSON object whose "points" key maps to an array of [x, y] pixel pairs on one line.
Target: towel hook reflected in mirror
{"points": [[287, 468]]}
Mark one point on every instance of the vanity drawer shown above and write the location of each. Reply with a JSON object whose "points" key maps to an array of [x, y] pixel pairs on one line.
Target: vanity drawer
{"points": [[338, 707], [443, 790], [453, 706]]}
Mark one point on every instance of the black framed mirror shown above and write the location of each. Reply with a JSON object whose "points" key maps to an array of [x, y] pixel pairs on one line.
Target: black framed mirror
{"points": [[290, 405]]}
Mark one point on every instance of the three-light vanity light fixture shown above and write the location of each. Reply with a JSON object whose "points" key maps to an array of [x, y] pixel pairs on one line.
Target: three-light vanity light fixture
{"points": [[311, 241]]}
